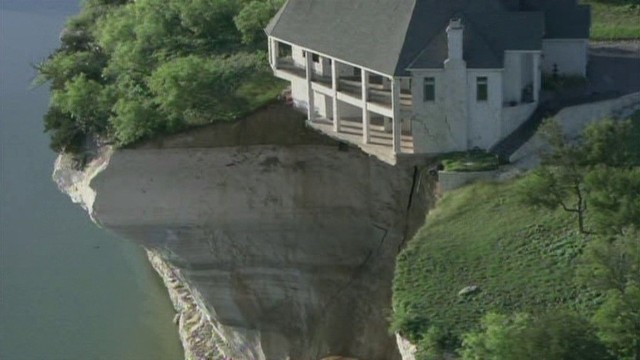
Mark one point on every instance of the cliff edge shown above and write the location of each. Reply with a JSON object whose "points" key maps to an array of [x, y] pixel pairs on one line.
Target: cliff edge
{"points": [[282, 242]]}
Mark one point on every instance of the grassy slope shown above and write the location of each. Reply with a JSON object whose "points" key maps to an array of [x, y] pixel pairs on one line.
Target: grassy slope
{"points": [[522, 260], [614, 22]]}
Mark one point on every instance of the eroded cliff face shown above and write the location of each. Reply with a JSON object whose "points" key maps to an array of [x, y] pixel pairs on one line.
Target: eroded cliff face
{"points": [[287, 249]]}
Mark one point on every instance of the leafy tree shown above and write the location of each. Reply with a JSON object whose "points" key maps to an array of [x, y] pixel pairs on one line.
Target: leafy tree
{"points": [[618, 322], [612, 267], [86, 101], [611, 264], [128, 70], [614, 198], [611, 143], [65, 136], [254, 17], [199, 89], [493, 341], [595, 172], [560, 181], [552, 336], [135, 119]]}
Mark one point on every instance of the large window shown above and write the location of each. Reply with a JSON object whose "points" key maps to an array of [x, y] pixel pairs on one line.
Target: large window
{"points": [[429, 89], [482, 88]]}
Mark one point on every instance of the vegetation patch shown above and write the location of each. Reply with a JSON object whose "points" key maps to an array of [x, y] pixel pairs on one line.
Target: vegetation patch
{"points": [[562, 82], [498, 264], [483, 235], [468, 161], [132, 70], [615, 19]]}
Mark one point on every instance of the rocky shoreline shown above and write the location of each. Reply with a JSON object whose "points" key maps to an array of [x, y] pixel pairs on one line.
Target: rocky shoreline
{"points": [[194, 327]]}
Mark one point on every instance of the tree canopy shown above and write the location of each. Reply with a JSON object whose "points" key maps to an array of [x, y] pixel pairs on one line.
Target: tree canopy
{"points": [[129, 70]]}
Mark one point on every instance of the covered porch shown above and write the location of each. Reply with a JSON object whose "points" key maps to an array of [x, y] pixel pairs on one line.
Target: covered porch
{"points": [[348, 102]]}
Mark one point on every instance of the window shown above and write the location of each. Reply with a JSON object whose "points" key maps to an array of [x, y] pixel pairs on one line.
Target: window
{"points": [[429, 89], [482, 88]]}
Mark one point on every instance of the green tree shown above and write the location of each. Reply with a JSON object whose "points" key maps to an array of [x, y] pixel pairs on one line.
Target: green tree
{"points": [[254, 17], [596, 172], [614, 198], [129, 70], [494, 340], [618, 322], [559, 182], [612, 266], [199, 89], [87, 102], [551, 336]]}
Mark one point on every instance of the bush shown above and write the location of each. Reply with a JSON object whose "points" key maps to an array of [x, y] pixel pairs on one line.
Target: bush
{"points": [[467, 161], [552, 336], [562, 82]]}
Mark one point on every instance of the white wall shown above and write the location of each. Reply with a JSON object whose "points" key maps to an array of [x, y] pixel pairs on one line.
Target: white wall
{"points": [[431, 133], [512, 76], [297, 55], [569, 54], [484, 116], [518, 73]]}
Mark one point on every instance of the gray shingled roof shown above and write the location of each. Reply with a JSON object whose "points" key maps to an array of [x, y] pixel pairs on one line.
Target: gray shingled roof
{"points": [[578, 26], [390, 36], [365, 32]]}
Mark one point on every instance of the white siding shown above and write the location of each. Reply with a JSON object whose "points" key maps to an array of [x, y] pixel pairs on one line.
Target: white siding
{"points": [[569, 55], [433, 132], [484, 116], [512, 76]]}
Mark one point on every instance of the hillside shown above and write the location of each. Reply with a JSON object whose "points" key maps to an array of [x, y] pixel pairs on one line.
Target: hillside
{"points": [[521, 259], [531, 260], [614, 19]]}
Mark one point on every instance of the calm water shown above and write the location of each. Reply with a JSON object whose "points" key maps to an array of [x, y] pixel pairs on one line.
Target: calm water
{"points": [[68, 290]]}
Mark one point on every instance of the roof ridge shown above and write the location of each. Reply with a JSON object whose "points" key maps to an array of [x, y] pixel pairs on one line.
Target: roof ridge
{"points": [[276, 18]]}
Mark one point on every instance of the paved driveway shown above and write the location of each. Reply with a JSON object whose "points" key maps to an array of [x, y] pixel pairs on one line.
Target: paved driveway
{"points": [[614, 66]]}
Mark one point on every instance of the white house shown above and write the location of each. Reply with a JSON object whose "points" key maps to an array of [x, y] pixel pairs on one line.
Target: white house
{"points": [[424, 76]]}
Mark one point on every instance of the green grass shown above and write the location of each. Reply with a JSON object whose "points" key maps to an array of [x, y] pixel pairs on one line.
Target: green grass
{"points": [[467, 161], [522, 260], [617, 20]]}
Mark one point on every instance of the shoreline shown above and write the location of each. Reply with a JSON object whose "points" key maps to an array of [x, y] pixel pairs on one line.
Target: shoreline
{"points": [[194, 328]]}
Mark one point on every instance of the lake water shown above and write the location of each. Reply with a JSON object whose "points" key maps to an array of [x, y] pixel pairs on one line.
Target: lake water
{"points": [[68, 290]]}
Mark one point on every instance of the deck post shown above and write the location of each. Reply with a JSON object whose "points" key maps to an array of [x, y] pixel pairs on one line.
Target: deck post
{"points": [[311, 110], [396, 120], [274, 50], [365, 112], [334, 87]]}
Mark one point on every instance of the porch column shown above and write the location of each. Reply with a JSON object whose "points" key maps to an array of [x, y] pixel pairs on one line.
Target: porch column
{"points": [[536, 77], [311, 111], [334, 87], [365, 113], [274, 48], [396, 125]]}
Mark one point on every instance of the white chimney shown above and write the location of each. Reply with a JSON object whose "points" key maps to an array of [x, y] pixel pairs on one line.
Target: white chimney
{"points": [[454, 38]]}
